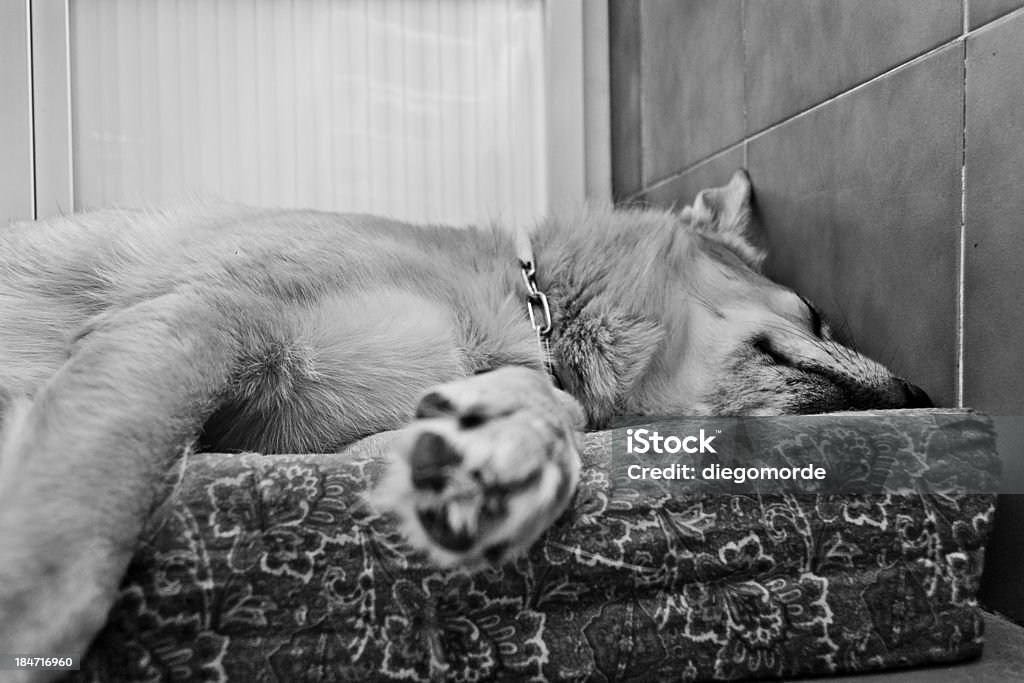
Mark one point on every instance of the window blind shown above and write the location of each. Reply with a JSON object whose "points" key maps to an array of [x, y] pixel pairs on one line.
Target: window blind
{"points": [[426, 110]]}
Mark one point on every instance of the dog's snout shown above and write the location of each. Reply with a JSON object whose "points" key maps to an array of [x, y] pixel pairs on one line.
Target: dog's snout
{"points": [[914, 396]]}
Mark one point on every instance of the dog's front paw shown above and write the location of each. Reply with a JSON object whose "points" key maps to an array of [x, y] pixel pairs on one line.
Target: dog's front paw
{"points": [[490, 463]]}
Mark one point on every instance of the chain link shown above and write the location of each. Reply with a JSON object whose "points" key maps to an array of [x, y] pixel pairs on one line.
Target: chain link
{"points": [[536, 303]]}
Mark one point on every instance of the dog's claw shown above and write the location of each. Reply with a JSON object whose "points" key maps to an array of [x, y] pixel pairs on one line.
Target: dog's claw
{"points": [[448, 527]]}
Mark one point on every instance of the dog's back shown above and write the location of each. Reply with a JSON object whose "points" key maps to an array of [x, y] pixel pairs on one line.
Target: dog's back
{"points": [[338, 281]]}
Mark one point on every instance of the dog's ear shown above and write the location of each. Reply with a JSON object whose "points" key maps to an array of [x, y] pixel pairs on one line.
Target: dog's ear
{"points": [[724, 213], [601, 355]]}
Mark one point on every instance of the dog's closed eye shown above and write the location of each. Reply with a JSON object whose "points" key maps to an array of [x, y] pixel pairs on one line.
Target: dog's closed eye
{"points": [[764, 347], [816, 321]]}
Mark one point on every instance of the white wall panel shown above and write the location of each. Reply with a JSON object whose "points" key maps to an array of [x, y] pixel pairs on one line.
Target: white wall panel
{"points": [[420, 109]]}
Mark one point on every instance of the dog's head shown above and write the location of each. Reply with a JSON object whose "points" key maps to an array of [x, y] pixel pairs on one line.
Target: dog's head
{"points": [[704, 332]]}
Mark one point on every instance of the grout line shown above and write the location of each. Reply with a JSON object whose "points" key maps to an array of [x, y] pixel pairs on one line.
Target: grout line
{"points": [[962, 38], [860, 86], [638, 23], [669, 178], [960, 291], [962, 255], [1006, 18], [743, 44], [810, 109], [966, 31]]}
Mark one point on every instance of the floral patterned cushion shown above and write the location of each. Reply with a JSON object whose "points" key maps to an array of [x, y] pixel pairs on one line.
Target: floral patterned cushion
{"points": [[273, 568]]}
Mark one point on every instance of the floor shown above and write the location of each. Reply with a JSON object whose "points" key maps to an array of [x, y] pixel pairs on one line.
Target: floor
{"points": [[1003, 660]]}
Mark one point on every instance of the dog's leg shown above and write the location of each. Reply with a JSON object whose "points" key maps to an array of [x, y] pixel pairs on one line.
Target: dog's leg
{"points": [[82, 462], [491, 462]]}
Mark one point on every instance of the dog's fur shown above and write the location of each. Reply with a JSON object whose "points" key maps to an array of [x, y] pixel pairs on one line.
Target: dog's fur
{"points": [[126, 336]]}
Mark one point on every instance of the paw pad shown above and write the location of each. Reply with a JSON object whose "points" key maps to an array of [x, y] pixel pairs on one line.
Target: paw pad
{"points": [[491, 462]]}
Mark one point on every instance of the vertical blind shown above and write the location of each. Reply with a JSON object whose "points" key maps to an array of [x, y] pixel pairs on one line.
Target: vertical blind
{"points": [[426, 110]]}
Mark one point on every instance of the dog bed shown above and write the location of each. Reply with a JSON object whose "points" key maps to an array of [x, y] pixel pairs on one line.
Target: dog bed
{"points": [[273, 568]]}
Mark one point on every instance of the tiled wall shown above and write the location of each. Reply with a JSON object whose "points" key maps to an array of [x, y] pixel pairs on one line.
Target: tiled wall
{"points": [[885, 141]]}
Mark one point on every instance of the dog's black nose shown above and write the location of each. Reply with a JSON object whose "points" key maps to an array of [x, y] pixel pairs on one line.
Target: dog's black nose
{"points": [[915, 396]]}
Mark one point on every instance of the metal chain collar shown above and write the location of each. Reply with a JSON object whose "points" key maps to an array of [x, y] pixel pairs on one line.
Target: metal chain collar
{"points": [[540, 314], [536, 302]]}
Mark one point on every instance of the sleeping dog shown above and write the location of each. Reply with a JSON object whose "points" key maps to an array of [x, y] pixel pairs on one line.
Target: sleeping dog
{"points": [[129, 337]]}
